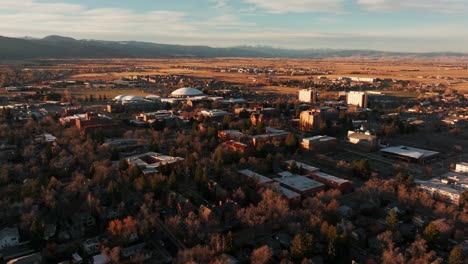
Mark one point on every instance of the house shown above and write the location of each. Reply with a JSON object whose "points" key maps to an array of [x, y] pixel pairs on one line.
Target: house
{"points": [[9, 236]]}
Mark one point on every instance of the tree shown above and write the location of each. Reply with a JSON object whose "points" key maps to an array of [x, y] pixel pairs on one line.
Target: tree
{"points": [[431, 233], [296, 250], [171, 182], [332, 241], [456, 255], [228, 242], [360, 168], [291, 142], [260, 255], [392, 221]]}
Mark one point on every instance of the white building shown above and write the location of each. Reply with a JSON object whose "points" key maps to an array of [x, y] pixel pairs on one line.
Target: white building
{"points": [[358, 79], [9, 237], [358, 99], [214, 113], [308, 96], [461, 167]]}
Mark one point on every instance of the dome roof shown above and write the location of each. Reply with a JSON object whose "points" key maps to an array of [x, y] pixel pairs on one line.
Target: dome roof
{"points": [[128, 97], [152, 96], [188, 91], [119, 97]]}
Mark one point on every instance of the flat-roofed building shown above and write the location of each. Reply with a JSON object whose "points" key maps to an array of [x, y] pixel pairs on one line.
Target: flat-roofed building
{"points": [[236, 146], [214, 114], [293, 198], [305, 168], [318, 143], [151, 162], [232, 134], [308, 96], [358, 99], [410, 154], [154, 115], [271, 134], [332, 181], [437, 187], [254, 179], [301, 184], [365, 140], [317, 117]]}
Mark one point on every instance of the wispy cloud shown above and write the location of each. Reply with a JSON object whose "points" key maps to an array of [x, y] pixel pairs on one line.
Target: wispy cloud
{"points": [[439, 6], [298, 6]]}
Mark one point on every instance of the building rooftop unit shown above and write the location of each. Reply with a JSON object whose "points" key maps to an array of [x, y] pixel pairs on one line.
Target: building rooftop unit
{"points": [[300, 183], [410, 152], [330, 177], [255, 176]]}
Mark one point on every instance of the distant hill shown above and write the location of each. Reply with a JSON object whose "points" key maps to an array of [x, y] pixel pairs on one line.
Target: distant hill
{"points": [[58, 47]]}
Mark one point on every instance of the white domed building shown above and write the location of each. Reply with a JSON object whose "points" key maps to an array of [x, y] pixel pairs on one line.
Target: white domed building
{"points": [[186, 92], [128, 98]]}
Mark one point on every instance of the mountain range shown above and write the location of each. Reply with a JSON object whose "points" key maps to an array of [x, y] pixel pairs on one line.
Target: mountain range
{"points": [[58, 47]]}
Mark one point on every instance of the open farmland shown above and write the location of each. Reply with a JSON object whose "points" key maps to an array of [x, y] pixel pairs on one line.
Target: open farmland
{"points": [[453, 74]]}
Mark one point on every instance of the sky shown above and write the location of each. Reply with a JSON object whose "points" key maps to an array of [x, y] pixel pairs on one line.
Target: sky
{"points": [[389, 25]]}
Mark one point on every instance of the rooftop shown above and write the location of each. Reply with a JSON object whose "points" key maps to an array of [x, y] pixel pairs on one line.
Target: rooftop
{"points": [[303, 165], [318, 138], [330, 177], [410, 152], [187, 91], [284, 191], [300, 183], [151, 161], [257, 177], [9, 231]]}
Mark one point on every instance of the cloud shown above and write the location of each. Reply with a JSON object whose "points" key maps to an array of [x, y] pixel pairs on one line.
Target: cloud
{"points": [[28, 17], [441, 6], [34, 6], [298, 6]]}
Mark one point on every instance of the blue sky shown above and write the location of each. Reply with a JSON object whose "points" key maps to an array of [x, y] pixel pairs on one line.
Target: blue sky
{"points": [[393, 25]]}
